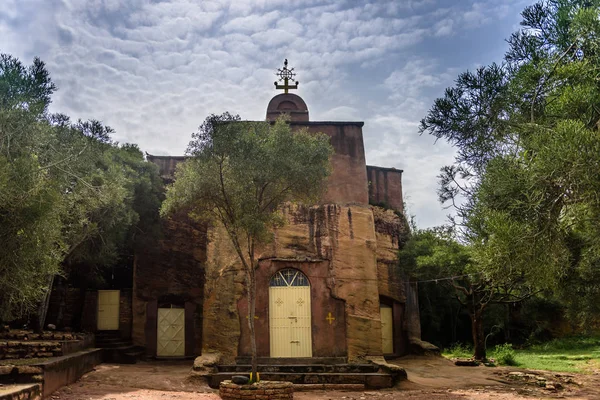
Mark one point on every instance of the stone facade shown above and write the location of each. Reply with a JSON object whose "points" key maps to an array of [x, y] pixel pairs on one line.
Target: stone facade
{"points": [[261, 391], [346, 248], [385, 187]]}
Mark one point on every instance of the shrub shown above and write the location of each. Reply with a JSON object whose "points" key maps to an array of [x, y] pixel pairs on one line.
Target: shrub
{"points": [[459, 350], [505, 354]]}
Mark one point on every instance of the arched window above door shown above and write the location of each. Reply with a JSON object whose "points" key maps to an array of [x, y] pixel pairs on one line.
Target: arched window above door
{"points": [[289, 277]]}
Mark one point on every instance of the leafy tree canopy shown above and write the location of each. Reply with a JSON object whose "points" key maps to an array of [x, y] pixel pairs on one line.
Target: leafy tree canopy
{"points": [[525, 180], [239, 174], [69, 196]]}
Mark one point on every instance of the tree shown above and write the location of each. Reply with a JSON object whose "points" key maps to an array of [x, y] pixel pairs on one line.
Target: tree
{"points": [[436, 256], [525, 178], [70, 198], [29, 198], [239, 174]]}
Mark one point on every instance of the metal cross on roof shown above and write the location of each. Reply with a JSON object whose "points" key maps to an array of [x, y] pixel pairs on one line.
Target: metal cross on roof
{"points": [[285, 74]]}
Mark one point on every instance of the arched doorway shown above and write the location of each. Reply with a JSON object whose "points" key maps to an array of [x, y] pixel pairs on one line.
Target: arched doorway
{"points": [[290, 314]]}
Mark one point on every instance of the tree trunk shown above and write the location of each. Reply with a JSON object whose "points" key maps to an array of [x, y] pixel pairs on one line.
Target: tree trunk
{"points": [[43, 309], [478, 335], [251, 277]]}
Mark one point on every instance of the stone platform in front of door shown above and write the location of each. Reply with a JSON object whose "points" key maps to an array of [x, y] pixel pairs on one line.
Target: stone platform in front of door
{"points": [[311, 371]]}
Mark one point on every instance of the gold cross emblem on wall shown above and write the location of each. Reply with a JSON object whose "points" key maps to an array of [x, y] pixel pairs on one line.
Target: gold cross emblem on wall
{"points": [[330, 318]]}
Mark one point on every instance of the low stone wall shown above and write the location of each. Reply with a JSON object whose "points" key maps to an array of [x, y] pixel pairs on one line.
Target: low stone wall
{"points": [[19, 374], [21, 392], [46, 336], [67, 369], [15, 349], [23, 344], [54, 372], [264, 390]]}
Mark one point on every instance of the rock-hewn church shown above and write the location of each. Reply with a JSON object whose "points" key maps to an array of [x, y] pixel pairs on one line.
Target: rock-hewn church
{"points": [[328, 285]]}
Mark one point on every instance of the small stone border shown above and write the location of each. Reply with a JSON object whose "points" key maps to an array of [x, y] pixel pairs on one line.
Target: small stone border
{"points": [[21, 392], [263, 390]]}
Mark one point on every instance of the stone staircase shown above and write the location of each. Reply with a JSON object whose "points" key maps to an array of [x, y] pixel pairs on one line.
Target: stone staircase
{"points": [[115, 349], [312, 372]]}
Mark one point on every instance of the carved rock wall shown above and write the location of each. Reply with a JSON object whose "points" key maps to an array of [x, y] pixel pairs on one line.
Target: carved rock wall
{"points": [[385, 187], [390, 230], [343, 236]]}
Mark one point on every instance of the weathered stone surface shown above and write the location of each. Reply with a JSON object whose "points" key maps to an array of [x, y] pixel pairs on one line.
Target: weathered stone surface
{"points": [[387, 367], [262, 390], [343, 236], [29, 369], [385, 187], [21, 392], [6, 369], [418, 346], [206, 362], [223, 288], [14, 349]]}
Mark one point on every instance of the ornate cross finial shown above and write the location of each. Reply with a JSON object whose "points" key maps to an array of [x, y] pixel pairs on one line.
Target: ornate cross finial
{"points": [[285, 75]]}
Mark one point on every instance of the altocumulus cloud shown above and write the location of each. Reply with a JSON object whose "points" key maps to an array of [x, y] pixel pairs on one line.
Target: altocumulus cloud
{"points": [[153, 70]]}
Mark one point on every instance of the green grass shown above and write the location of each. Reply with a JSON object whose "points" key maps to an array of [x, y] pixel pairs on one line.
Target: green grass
{"points": [[574, 354]]}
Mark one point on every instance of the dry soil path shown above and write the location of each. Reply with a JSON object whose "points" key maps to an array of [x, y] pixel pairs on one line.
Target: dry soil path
{"points": [[429, 378]]}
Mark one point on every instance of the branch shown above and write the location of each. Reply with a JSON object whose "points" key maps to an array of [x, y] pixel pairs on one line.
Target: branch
{"points": [[541, 85], [516, 299], [461, 288], [274, 198], [224, 193], [460, 301], [63, 160]]}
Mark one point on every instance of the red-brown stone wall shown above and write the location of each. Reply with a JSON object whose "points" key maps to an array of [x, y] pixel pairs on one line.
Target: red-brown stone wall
{"points": [[385, 187], [347, 183], [171, 270], [328, 337]]}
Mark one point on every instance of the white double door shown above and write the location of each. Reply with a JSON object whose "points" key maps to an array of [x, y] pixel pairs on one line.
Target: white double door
{"points": [[290, 321]]}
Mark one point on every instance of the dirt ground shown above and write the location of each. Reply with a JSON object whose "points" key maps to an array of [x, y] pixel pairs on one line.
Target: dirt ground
{"points": [[428, 378]]}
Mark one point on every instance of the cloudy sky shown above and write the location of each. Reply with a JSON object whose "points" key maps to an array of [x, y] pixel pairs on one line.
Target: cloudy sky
{"points": [[153, 70]]}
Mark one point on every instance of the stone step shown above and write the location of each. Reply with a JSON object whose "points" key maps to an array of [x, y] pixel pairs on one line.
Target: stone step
{"points": [[115, 345], [369, 380], [108, 339], [128, 354], [27, 391], [292, 361], [108, 334], [299, 368]]}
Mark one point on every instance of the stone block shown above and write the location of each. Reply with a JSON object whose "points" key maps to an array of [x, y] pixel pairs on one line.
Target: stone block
{"points": [[378, 381], [6, 369], [29, 369]]}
